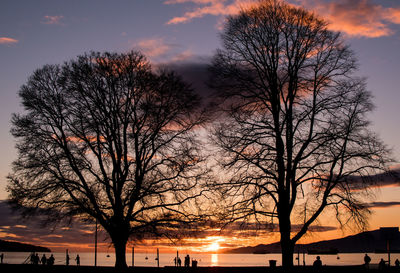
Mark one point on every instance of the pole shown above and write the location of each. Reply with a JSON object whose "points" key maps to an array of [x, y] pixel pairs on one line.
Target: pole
{"points": [[158, 258], [133, 256], [388, 251], [95, 246], [66, 257], [298, 257], [177, 257]]}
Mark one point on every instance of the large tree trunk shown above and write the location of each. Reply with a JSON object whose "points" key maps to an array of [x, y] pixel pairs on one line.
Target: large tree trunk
{"points": [[287, 245], [287, 252], [119, 241]]}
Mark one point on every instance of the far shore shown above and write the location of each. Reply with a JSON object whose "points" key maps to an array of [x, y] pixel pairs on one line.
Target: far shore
{"points": [[170, 269]]}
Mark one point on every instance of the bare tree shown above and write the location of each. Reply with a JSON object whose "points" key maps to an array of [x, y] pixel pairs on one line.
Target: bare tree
{"points": [[295, 131], [104, 137]]}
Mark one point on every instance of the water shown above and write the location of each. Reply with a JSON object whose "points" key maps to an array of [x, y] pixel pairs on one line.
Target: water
{"points": [[167, 259]]}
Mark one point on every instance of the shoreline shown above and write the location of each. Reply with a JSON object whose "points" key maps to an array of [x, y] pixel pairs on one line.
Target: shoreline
{"points": [[171, 269]]}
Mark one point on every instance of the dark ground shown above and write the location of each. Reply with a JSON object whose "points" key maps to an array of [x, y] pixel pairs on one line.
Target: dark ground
{"points": [[15, 268]]}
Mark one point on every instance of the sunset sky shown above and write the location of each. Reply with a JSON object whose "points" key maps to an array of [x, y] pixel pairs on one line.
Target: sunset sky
{"points": [[184, 34]]}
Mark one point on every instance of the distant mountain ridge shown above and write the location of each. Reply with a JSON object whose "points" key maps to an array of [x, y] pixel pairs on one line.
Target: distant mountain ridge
{"points": [[369, 241], [9, 246]]}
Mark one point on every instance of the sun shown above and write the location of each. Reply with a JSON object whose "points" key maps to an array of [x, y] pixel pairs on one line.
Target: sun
{"points": [[213, 247]]}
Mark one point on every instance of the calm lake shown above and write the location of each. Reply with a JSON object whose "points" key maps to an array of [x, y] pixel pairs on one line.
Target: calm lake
{"points": [[167, 259]]}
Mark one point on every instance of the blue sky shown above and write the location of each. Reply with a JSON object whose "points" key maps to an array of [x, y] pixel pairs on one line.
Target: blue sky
{"points": [[35, 33]]}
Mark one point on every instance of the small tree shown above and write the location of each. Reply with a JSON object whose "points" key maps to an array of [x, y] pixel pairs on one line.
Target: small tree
{"points": [[104, 137], [295, 130]]}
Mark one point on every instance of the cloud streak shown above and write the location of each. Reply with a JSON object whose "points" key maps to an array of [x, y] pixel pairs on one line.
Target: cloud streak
{"points": [[52, 19], [356, 18], [153, 47], [380, 205], [7, 41], [208, 7]]}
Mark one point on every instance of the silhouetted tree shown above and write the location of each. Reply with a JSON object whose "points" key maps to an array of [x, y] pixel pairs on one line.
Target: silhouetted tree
{"points": [[104, 137], [295, 132]]}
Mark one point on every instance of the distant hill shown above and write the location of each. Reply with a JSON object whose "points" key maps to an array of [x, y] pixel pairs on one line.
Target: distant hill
{"points": [[369, 241], [9, 246]]}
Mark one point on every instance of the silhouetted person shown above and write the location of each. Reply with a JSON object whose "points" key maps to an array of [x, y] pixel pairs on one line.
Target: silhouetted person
{"points": [[397, 263], [187, 261], [67, 260], [317, 263], [33, 258], [44, 259], [51, 260], [382, 264], [1, 258], [78, 260], [176, 261], [179, 262], [194, 263], [367, 260], [37, 259]]}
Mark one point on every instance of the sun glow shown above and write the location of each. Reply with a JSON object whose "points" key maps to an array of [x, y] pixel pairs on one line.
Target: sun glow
{"points": [[213, 247]]}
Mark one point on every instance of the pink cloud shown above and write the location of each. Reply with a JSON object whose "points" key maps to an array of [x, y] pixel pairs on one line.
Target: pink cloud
{"points": [[358, 18], [153, 47], [52, 20], [8, 41], [208, 7], [183, 56]]}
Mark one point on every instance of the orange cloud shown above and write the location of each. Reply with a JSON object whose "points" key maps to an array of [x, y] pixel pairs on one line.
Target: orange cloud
{"points": [[52, 20], [7, 41], [358, 18]]}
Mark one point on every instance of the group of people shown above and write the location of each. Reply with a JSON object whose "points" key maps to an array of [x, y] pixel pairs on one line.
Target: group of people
{"points": [[382, 262], [34, 259], [178, 261], [367, 260], [44, 260]]}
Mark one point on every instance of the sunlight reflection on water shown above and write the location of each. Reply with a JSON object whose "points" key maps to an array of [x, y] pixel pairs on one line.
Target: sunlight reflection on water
{"points": [[214, 259]]}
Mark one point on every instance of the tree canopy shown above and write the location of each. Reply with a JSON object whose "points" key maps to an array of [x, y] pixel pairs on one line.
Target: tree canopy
{"points": [[105, 137], [295, 133]]}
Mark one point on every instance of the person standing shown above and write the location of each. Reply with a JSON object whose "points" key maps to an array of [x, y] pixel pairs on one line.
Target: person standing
{"points": [[367, 260], [37, 259], [44, 259], [382, 264], [51, 260], [1, 258], [187, 260], [78, 260], [179, 262]]}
